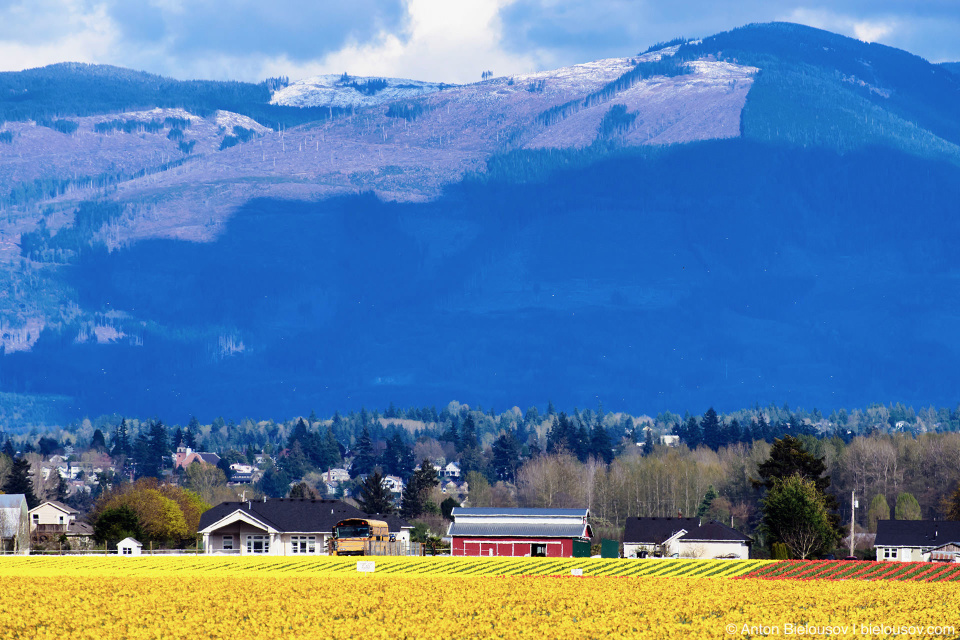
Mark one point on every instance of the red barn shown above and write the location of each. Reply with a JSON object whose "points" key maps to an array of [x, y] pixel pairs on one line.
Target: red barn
{"points": [[494, 531]]}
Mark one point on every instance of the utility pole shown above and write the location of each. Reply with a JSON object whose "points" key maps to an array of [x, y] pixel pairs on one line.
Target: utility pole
{"points": [[853, 509]]}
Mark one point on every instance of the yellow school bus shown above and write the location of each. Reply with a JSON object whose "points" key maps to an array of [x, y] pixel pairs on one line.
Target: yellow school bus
{"points": [[351, 536]]}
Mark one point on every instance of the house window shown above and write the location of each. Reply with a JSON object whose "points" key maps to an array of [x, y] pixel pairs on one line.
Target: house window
{"points": [[227, 543], [127, 551], [258, 544], [889, 553], [36, 518], [303, 544]]}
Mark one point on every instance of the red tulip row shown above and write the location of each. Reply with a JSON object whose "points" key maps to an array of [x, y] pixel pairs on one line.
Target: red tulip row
{"points": [[845, 570]]}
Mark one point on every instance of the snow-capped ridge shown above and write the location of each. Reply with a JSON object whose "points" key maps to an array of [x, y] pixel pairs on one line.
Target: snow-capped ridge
{"points": [[351, 91]]}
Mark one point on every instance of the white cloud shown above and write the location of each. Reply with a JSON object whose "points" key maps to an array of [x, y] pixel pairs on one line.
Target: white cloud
{"points": [[80, 34], [865, 30], [872, 31], [442, 40]]}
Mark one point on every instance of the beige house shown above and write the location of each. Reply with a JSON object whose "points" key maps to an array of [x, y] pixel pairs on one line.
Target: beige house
{"points": [[51, 519]]}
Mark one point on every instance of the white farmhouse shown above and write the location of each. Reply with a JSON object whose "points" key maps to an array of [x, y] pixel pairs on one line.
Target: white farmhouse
{"points": [[683, 537]]}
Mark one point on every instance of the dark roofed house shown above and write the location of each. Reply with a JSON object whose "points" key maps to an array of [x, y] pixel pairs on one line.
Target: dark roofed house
{"points": [[915, 540], [655, 537], [683, 537], [494, 531], [284, 526]]}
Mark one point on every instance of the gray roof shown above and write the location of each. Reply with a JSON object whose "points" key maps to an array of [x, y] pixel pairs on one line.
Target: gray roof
{"points": [[520, 513], [510, 530], [12, 500], [59, 505], [714, 531], [916, 533], [296, 514], [656, 530]]}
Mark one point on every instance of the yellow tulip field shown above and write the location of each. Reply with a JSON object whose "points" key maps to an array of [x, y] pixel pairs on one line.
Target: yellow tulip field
{"points": [[251, 598]]}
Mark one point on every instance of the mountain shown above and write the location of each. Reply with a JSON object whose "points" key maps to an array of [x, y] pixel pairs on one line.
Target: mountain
{"points": [[953, 67], [764, 216]]}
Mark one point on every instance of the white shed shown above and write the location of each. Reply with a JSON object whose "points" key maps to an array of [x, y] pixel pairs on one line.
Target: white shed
{"points": [[129, 547]]}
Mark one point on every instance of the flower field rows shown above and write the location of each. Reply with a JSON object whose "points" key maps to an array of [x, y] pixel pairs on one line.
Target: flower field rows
{"points": [[200, 604], [844, 570], [112, 598], [385, 565]]}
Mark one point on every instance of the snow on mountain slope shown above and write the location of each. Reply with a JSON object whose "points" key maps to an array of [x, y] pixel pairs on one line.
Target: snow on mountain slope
{"points": [[703, 105], [353, 91], [409, 153]]}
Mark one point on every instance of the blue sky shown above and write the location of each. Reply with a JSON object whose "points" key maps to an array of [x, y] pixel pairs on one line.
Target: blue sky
{"points": [[443, 40]]}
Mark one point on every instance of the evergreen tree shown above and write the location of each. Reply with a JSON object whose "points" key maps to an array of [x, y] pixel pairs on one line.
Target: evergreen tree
{"points": [[302, 490], [795, 514], [19, 481], [692, 434], [398, 458], [373, 496], [299, 434], [415, 492], [600, 445], [191, 433], [562, 435], [648, 443], [505, 456], [331, 451], [582, 448], [8, 449], [788, 457], [707, 501], [224, 465], [177, 438], [120, 442], [447, 507], [364, 461], [62, 491], [295, 463], [468, 433], [97, 442], [274, 482], [907, 507], [878, 510], [710, 426]]}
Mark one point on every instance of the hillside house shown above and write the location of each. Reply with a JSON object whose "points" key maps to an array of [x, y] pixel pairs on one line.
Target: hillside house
{"points": [[51, 519], [14, 524], [452, 470], [494, 531], [185, 456], [682, 537], [284, 526], [337, 475], [393, 484], [915, 540]]}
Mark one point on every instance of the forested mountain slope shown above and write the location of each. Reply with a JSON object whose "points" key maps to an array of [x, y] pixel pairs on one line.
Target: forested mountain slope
{"points": [[760, 216]]}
